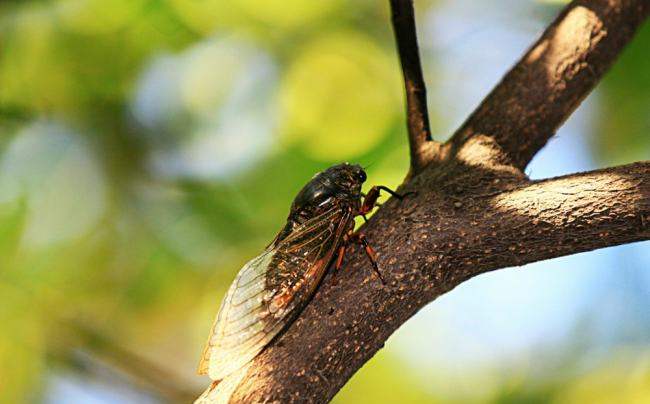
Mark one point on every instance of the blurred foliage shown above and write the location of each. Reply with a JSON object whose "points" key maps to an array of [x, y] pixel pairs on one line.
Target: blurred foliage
{"points": [[624, 379], [149, 147], [624, 128], [383, 380], [329, 86]]}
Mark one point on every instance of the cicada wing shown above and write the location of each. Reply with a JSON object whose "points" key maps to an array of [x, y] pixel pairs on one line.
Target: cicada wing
{"points": [[302, 258], [238, 331], [268, 291]]}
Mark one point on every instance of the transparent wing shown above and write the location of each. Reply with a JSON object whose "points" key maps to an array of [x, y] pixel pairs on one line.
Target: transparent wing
{"points": [[240, 316], [268, 291]]}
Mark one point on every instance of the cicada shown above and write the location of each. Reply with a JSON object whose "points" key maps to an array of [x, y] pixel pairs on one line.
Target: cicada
{"points": [[272, 288]]}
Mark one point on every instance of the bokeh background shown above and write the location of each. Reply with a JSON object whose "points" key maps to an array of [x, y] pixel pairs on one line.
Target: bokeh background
{"points": [[148, 148]]}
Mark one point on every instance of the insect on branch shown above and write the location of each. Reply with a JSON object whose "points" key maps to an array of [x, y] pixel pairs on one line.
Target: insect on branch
{"points": [[417, 116]]}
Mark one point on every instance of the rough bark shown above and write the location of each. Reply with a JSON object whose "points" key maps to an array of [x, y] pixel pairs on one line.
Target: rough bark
{"points": [[474, 211]]}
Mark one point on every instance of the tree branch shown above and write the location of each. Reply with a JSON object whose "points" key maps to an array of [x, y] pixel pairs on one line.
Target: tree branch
{"points": [[565, 215], [437, 245], [540, 92], [421, 144]]}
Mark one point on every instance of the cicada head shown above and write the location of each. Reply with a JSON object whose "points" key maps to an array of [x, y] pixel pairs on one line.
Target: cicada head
{"points": [[340, 182], [347, 177]]}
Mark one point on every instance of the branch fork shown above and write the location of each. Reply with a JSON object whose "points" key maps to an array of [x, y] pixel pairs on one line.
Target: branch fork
{"points": [[475, 210]]}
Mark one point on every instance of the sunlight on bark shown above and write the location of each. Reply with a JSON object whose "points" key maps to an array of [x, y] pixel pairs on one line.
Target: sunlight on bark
{"points": [[483, 151], [562, 200], [579, 31]]}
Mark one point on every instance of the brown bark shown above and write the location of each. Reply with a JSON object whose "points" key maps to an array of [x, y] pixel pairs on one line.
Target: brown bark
{"points": [[474, 211]]}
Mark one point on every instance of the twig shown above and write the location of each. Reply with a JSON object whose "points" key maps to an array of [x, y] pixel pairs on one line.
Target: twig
{"points": [[417, 116]]}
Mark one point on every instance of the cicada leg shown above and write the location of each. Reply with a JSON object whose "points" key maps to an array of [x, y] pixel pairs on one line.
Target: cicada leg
{"points": [[339, 259], [369, 203], [341, 254], [358, 238], [370, 199]]}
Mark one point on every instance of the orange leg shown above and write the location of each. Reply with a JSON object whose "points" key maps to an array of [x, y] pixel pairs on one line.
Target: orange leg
{"points": [[341, 254], [369, 203], [370, 199], [360, 238], [339, 259]]}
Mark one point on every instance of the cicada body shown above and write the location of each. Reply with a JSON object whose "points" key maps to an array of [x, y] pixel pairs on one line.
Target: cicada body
{"points": [[272, 288]]}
